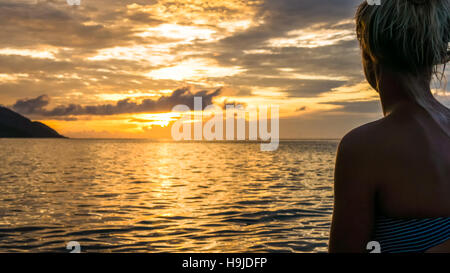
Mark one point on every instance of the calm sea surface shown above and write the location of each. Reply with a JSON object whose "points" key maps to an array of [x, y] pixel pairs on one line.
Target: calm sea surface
{"points": [[144, 196]]}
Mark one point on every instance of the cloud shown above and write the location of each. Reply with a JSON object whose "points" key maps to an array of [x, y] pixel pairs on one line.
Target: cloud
{"points": [[46, 24], [282, 16], [37, 106], [31, 106], [76, 55], [75, 36]]}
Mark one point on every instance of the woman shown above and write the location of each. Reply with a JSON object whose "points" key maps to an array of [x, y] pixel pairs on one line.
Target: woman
{"points": [[392, 176]]}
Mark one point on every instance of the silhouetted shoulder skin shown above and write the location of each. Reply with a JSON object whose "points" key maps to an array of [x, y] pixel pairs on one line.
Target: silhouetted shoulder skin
{"points": [[14, 125], [355, 190]]}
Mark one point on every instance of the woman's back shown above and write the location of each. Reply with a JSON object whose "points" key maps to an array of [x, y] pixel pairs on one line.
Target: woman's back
{"points": [[411, 160], [413, 192]]}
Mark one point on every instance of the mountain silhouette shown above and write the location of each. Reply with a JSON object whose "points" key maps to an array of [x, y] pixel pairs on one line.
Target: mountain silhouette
{"points": [[13, 124]]}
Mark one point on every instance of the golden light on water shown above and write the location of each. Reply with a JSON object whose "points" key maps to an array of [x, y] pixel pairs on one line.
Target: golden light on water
{"points": [[151, 196]]}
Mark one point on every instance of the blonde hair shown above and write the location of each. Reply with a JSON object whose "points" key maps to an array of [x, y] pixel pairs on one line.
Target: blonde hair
{"points": [[410, 36]]}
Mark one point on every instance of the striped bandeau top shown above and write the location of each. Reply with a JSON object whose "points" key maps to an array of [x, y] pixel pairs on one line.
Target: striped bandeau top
{"points": [[397, 235]]}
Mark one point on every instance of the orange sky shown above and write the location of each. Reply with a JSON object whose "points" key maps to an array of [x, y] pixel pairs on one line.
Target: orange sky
{"points": [[56, 61]]}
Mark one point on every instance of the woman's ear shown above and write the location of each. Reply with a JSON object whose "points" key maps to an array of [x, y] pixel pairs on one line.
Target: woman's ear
{"points": [[371, 69]]}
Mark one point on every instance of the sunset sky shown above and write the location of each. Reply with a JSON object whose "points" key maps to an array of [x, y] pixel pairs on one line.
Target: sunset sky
{"points": [[111, 68]]}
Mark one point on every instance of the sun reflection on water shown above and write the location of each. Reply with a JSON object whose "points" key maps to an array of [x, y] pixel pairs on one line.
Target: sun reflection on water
{"points": [[143, 196]]}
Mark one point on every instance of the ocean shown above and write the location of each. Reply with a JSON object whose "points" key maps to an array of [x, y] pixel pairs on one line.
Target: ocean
{"points": [[149, 196]]}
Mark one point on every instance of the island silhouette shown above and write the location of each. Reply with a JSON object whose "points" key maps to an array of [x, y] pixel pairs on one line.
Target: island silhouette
{"points": [[14, 125]]}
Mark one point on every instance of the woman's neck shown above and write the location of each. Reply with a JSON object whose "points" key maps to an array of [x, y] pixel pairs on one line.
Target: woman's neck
{"points": [[395, 89]]}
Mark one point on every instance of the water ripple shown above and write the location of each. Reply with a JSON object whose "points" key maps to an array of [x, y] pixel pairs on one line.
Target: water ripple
{"points": [[144, 196]]}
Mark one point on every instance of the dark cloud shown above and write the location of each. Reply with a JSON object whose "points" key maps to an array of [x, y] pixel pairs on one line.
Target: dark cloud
{"points": [[37, 106], [339, 60], [312, 88], [282, 16], [292, 87], [145, 18], [24, 64], [31, 106], [45, 23]]}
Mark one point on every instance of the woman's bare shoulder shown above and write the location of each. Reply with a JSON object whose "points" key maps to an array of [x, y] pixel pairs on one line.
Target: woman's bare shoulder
{"points": [[357, 152], [390, 140], [366, 151], [365, 138]]}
